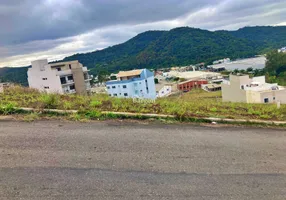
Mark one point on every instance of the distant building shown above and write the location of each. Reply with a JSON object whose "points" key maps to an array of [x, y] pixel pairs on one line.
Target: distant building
{"points": [[255, 90], [64, 77], [225, 60], [190, 84], [133, 84], [164, 91], [212, 87], [216, 68], [283, 49]]}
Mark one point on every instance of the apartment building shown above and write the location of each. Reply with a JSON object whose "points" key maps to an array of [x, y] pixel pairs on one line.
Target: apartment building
{"points": [[241, 88], [133, 84], [64, 77]]}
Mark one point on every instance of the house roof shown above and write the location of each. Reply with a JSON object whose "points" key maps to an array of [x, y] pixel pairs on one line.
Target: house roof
{"points": [[191, 80], [129, 73], [213, 86]]}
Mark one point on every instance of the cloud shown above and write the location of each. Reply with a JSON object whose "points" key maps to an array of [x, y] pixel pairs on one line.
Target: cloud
{"points": [[32, 29]]}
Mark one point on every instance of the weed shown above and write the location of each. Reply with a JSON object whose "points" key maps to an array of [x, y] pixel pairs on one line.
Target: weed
{"points": [[31, 117], [213, 109], [95, 103], [7, 109], [50, 101]]}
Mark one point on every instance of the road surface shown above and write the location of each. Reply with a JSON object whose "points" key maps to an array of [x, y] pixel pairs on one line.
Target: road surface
{"points": [[129, 160]]}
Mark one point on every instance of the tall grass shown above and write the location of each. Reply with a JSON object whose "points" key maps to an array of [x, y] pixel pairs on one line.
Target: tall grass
{"points": [[196, 103]]}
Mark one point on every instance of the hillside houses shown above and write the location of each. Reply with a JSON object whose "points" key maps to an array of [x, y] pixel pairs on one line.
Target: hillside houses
{"points": [[241, 88]]}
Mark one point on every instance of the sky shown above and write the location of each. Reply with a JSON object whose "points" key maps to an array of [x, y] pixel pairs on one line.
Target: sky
{"points": [[54, 29]]}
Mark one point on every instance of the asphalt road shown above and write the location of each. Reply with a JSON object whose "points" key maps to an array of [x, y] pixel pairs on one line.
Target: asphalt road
{"points": [[124, 160]]}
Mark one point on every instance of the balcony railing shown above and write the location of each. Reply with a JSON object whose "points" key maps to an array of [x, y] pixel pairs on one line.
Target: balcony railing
{"points": [[64, 73], [68, 82]]}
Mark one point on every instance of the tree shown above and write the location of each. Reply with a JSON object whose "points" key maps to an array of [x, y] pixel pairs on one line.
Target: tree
{"points": [[156, 80], [249, 69], [276, 67]]}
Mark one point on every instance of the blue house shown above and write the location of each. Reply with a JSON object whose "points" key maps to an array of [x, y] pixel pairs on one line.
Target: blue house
{"points": [[133, 84]]}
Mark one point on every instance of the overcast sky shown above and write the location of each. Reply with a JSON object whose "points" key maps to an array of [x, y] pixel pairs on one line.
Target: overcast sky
{"points": [[53, 29]]}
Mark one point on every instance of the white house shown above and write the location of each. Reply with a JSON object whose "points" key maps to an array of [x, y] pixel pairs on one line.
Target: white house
{"points": [[133, 84], [64, 77], [164, 91], [241, 88], [283, 49]]}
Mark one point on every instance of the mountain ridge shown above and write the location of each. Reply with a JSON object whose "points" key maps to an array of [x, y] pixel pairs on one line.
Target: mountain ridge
{"points": [[178, 46]]}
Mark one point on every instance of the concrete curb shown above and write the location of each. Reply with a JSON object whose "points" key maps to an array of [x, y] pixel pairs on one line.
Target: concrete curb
{"points": [[164, 116]]}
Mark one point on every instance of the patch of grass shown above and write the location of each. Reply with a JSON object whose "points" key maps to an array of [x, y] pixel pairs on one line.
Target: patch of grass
{"points": [[50, 100], [194, 104], [31, 117]]}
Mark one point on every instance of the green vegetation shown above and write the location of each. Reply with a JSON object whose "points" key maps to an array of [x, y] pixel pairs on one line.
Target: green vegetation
{"points": [[192, 105], [177, 47], [276, 67]]}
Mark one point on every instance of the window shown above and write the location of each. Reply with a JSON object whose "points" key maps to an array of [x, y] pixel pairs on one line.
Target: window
{"points": [[125, 94], [242, 87], [124, 86], [113, 87], [70, 66], [108, 87], [47, 87], [136, 92], [70, 78], [274, 98], [59, 69], [45, 79], [72, 87], [63, 80], [266, 100], [115, 95]]}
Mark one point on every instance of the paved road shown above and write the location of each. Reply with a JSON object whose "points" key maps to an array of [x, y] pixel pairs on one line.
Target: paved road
{"points": [[116, 160]]}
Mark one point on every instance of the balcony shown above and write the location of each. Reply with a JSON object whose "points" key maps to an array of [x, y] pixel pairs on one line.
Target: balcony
{"points": [[67, 82], [84, 69], [87, 77], [64, 73]]}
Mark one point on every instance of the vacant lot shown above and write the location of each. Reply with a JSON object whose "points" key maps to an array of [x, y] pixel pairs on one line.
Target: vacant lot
{"points": [[196, 103]]}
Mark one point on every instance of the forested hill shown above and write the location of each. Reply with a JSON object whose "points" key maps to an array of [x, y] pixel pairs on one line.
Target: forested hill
{"points": [[269, 37], [156, 49], [179, 46]]}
